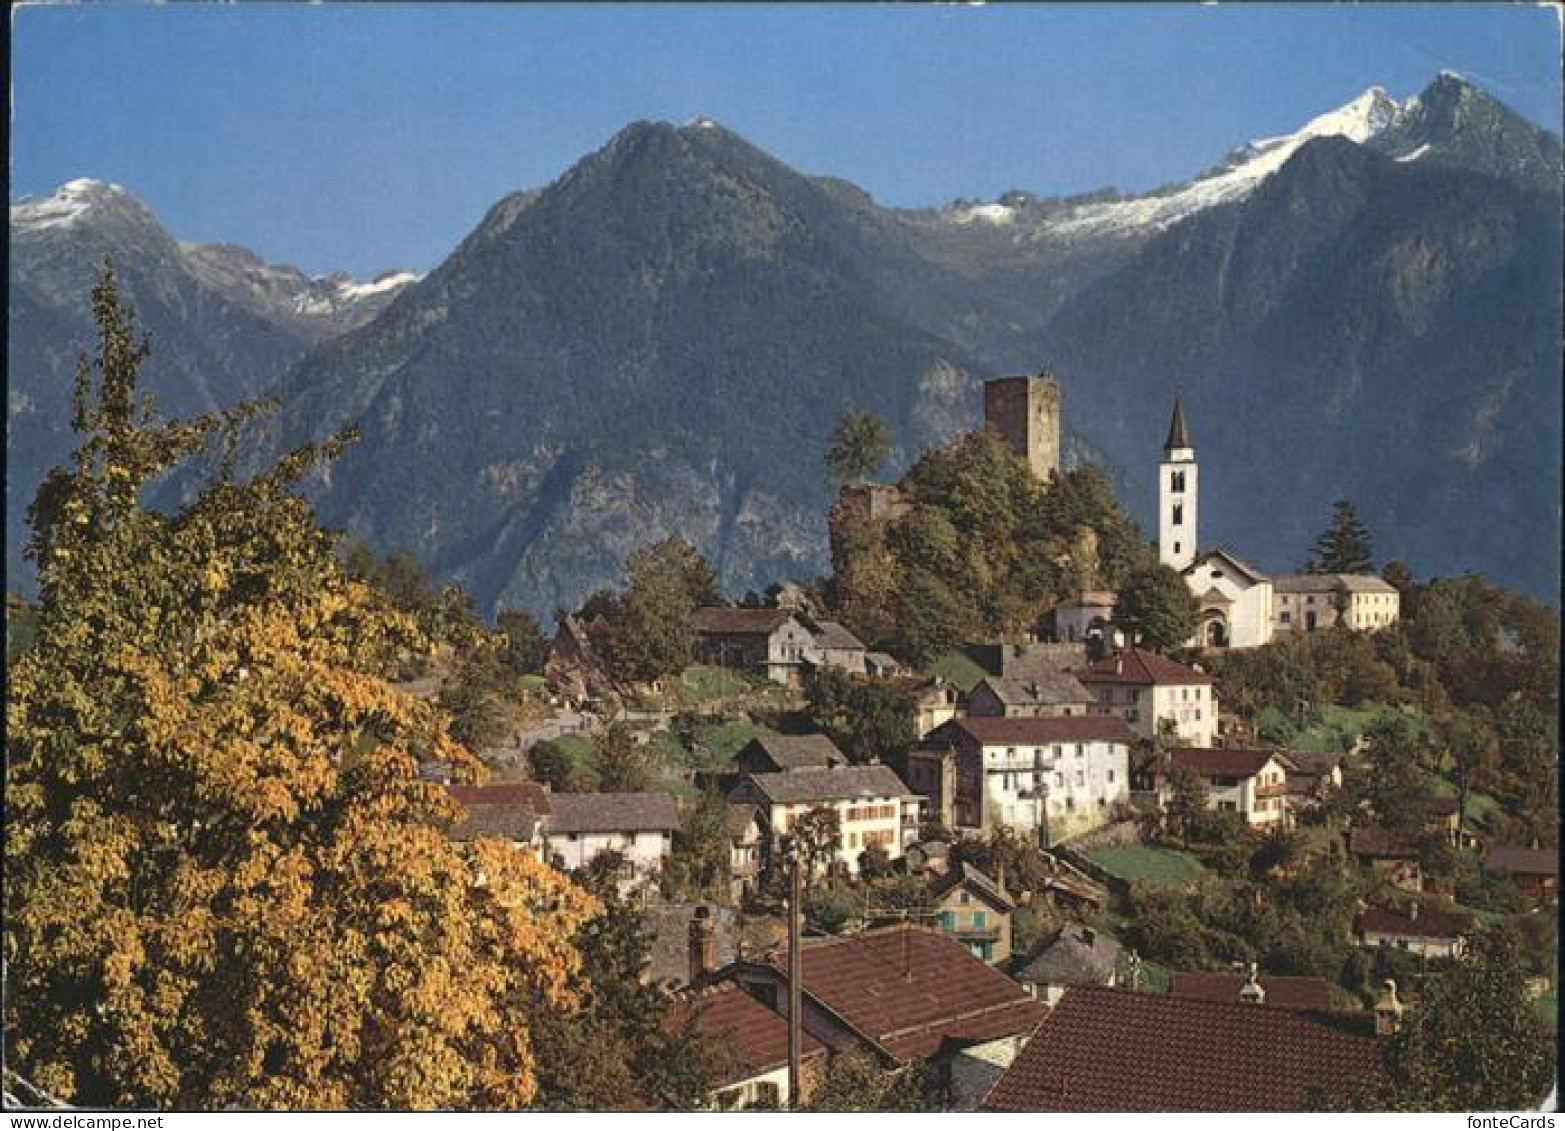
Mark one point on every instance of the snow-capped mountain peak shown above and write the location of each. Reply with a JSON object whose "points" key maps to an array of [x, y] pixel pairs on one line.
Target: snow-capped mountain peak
{"points": [[65, 206]]}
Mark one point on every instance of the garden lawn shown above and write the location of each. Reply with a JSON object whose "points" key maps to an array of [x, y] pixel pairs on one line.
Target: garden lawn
{"points": [[700, 684], [959, 670], [1148, 864]]}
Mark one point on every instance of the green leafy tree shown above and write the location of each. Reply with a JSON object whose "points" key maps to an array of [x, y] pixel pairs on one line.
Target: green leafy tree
{"points": [[645, 631], [869, 719], [1344, 547], [859, 445], [1474, 1042], [624, 1047], [816, 836], [699, 867], [526, 645], [624, 765], [226, 884], [551, 765], [1156, 608], [1188, 799], [855, 1081]]}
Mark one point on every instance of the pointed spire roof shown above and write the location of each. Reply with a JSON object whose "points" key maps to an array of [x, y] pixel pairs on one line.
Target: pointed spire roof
{"points": [[1178, 437]]}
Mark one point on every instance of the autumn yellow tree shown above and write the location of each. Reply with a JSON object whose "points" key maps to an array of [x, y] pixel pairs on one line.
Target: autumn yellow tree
{"points": [[226, 884]]}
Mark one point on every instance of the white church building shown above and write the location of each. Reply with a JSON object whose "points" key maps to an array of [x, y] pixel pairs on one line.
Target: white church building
{"points": [[1240, 607]]}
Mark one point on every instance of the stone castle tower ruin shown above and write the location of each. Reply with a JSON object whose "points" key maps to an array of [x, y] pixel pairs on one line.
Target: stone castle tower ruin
{"points": [[1025, 413]]}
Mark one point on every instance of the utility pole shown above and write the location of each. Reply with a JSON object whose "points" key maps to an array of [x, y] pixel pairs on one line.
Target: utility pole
{"points": [[795, 977]]}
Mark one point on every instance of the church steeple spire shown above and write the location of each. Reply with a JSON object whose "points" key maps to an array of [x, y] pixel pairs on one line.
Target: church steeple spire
{"points": [[1178, 495], [1178, 437]]}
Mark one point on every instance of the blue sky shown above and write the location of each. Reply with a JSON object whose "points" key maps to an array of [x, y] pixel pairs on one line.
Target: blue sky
{"points": [[367, 138]]}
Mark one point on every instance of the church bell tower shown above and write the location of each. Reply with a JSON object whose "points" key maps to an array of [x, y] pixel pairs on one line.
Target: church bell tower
{"points": [[1177, 496]]}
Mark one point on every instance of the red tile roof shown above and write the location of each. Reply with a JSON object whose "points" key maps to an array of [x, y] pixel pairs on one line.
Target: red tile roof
{"points": [[748, 1037], [528, 793], [1421, 923], [1105, 1049], [511, 810], [1286, 993], [1221, 763], [1134, 665], [1513, 859], [991, 730], [910, 989]]}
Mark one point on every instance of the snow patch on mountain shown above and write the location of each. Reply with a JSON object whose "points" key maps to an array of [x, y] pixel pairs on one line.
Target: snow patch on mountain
{"points": [[64, 207], [996, 214], [1368, 115]]}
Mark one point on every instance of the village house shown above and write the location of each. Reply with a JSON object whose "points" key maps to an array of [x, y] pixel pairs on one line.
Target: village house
{"points": [[746, 839], [1072, 956], [1088, 618], [779, 753], [573, 667], [1312, 777], [1145, 688], [1313, 602], [1102, 1049], [513, 811], [904, 994], [1251, 783], [1534, 871], [1253, 987], [1421, 930], [638, 826], [881, 665], [873, 808], [771, 643], [974, 910], [1046, 695], [750, 1041], [1027, 659], [1391, 855], [1051, 778], [936, 701], [687, 941], [836, 647]]}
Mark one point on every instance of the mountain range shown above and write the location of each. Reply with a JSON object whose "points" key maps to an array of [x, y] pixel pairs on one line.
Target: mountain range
{"points": [[661, 340]]}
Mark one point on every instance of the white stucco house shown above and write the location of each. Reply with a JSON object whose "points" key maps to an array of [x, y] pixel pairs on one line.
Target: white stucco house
{"points": [[638, 826], [1144, 688], [1049, 778]]}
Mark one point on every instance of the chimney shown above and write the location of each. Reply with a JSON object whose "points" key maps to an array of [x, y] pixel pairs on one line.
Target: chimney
{"points": [[703, 944], [1388, 1010], [1119, 663], [999, 874], [1252, 992]]}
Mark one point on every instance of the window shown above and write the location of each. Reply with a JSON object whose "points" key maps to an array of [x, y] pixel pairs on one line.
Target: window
{"points": [[767, 1094], [1111, 777], [948, 920], [980, 920], [728, 1099], [1179, 514], [1287, 617], [1059, 781], [1176, 547], [964, 899], [1081, 777], [1176, 481]]}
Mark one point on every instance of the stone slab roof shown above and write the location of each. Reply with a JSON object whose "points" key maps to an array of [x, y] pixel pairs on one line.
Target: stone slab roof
{"points": [[612, 812], [738, 622], [1331, 582], [994, 730], [841, 784], [1072, 956]]}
